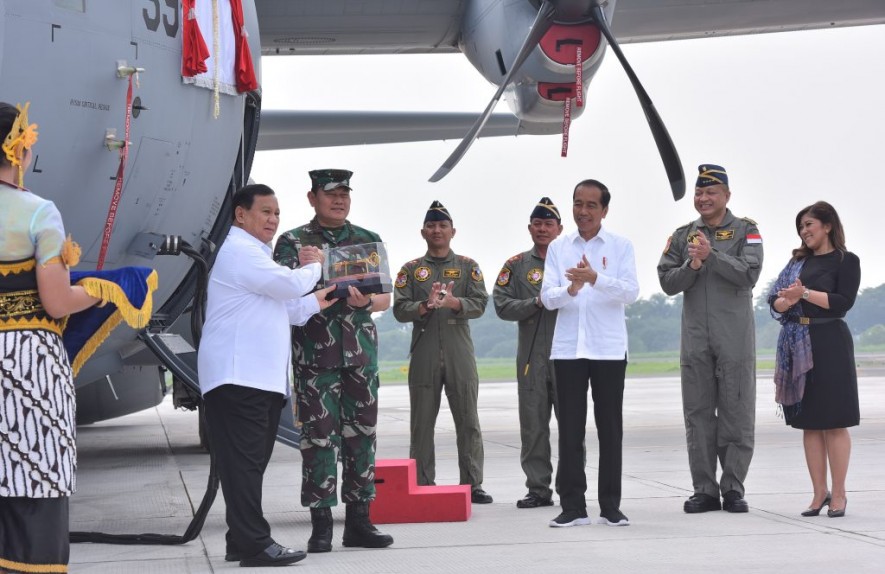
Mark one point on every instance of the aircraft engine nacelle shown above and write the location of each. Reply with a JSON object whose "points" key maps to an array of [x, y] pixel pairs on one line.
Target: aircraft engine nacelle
{"points": [[493, 33]]}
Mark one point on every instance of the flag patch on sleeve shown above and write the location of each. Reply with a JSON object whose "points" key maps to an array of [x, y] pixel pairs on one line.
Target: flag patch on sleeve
{"points": [[754, 238]]}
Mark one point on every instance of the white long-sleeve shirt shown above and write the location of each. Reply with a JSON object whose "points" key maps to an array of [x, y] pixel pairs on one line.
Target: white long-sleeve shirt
{"points": [[252, 300], [592, 324]]}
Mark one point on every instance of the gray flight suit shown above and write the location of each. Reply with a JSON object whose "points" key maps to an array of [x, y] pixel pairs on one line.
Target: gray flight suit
{"points": [[718, 349], [443, 357], [515, 295]]}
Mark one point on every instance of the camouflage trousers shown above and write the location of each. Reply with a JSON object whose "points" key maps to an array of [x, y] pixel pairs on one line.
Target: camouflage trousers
{"points": [[338, 410]]}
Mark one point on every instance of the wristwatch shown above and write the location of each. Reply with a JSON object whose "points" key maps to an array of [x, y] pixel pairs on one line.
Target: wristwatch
{"points": [[805, 294]]}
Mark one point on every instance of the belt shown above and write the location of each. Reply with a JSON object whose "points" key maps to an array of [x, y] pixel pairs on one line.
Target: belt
{"points": [[813, 320], [18, 303], [21, 310]]}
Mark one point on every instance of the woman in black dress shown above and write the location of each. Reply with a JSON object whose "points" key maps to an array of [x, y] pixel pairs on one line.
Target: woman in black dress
{"points": [[815, 376]]}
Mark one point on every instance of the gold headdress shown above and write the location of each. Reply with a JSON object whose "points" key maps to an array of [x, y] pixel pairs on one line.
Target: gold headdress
{"points": [[21, 137]]}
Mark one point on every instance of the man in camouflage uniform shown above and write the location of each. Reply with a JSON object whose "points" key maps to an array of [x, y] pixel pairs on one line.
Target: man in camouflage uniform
{"points": [[438, 293], [335, 355], [517, 298], [715, 262]]}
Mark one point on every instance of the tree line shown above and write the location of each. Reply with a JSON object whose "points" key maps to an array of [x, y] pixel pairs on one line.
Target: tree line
{"points": [[653, 326]]}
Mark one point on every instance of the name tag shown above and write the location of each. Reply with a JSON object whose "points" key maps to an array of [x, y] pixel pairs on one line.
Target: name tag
{"points": [[452, 273], [724, 234]]}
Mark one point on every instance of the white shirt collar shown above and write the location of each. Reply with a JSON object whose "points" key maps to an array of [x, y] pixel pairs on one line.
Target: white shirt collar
{"points": [[603, 235], [244, 235]]}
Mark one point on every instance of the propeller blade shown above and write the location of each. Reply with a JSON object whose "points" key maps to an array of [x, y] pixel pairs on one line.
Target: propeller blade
{"points": [[662, 138], [542, 23]]}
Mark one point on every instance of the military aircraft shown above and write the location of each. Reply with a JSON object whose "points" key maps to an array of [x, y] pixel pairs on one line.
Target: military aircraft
{"points": [[73, 60]]}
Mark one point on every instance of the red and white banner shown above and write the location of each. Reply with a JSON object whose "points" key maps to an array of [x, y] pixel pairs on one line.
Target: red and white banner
{"points": [[214, 30]]}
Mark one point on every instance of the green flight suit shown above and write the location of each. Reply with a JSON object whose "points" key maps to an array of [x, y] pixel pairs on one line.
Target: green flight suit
{"points": [[443, 358], [718, 348], [335, 355], [515, 296]]}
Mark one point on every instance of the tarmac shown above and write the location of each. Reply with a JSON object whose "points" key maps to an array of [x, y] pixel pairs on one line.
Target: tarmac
{"points": [[146, 473]]}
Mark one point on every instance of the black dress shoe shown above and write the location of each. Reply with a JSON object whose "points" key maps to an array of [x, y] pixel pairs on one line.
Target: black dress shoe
{"points": [[533, 500], [701, 503], [812, 511], [733, 501], [480, 496], [274, 555], [837, 513]]}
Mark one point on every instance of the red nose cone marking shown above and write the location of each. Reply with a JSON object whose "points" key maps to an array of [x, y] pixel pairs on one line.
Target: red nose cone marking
{"points": [[561, 41]]}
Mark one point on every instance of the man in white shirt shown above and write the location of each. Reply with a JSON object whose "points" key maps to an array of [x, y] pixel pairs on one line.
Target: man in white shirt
{"points": [[244, 362], [589, 277]]}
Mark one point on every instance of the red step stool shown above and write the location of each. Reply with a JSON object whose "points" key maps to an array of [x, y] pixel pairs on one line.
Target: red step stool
{"points": [[399, 499]]}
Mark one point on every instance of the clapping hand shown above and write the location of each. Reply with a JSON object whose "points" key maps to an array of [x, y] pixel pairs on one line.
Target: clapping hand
{"points": [[580, 275], [698, 250], [441, 296], [793, 293]]}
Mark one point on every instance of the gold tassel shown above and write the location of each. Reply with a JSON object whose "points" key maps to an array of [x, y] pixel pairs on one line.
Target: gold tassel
{"points": [[135, 318]]}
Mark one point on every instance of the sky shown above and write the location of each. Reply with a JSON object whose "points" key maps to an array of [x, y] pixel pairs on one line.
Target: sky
{"points": [[794, 118]]}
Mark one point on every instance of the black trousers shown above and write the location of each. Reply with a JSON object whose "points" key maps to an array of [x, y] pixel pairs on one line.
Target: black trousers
{"points": [[606, 382], [242, 425]]}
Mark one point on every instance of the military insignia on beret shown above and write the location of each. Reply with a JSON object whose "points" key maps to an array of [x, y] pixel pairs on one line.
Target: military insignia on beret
{"points": [[401, 279], [422, 273], [503, 277], [452, 273], [724, 234], [475, 273], [535, 276]]}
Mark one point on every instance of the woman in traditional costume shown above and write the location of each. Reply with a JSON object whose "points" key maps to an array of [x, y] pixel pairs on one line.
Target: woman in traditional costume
{"points": [[815, 375], [38, 455]]}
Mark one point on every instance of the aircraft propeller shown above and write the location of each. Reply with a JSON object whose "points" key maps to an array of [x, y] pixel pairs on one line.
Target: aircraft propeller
{"points": [[564, 10]]}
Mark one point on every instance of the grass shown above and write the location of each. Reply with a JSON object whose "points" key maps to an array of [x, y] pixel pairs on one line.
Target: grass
{"points": [[640, 365]]}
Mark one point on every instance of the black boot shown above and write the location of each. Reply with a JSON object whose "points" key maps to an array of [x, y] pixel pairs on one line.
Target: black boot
{"points": [[359, 531], [321, 538]]}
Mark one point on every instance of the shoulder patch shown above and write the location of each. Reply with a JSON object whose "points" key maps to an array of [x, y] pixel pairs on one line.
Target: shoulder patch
{"points": [[750, 221], [476, 273], [503, 277], [401, 278], [516, 257]]}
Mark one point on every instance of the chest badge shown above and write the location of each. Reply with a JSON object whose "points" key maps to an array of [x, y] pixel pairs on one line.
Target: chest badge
{"points": [[535, 276], [452, 273], [422, 273], [725, 235]]}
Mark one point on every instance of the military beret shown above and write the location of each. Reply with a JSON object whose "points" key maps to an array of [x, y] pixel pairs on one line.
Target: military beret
{"points": [[709, 174], [437, 212], [545, 210], [329, 179]]}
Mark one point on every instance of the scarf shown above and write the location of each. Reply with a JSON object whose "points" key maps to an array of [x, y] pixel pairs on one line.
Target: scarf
{"points": [[793, 360]]}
